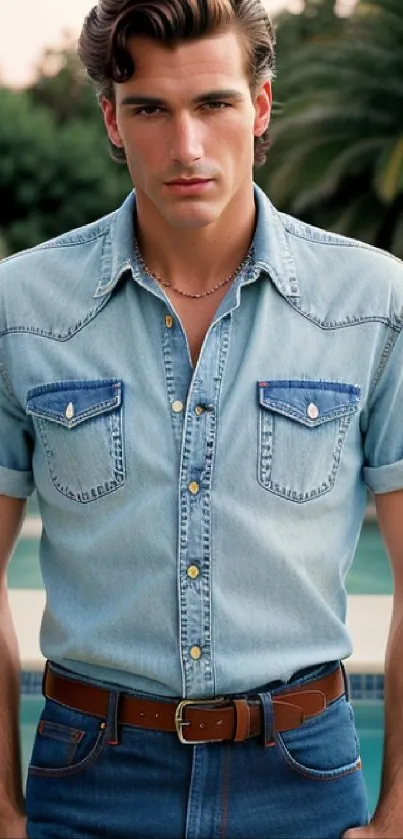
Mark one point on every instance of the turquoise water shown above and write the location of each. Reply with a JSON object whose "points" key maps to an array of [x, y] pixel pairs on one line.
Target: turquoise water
{"points": [[369, 574], [23, 571], [369, 721]]}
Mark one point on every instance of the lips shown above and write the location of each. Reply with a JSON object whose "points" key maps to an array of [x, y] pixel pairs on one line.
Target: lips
{"points": [[190, 187], [188, 182]]}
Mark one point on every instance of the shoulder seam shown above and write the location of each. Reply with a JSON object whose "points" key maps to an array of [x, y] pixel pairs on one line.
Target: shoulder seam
{"points": [[386, 355], [351, 321], [53, 245], [7, 381], [336, 239]]}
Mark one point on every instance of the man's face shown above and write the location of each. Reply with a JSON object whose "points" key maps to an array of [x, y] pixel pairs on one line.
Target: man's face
{"points": [[187, 123]]}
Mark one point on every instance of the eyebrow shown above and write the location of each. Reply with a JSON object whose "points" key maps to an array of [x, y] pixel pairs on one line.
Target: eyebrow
{"points": [[211, 96]]}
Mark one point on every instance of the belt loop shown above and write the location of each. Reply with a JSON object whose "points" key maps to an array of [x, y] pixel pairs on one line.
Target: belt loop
{"points": [[112, 719], [268, 718], [242, 714], [346, 681]]}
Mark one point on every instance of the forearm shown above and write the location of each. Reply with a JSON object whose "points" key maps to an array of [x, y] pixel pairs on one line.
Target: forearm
{"points": [[390, 805], [387, 821], [11, 797]]}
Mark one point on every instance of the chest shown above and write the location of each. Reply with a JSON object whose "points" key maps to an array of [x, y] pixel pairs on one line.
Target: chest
{"points": [[196, 316]]}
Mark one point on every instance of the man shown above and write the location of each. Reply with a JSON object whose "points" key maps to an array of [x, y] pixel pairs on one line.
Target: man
{"points": [[201, 390]]}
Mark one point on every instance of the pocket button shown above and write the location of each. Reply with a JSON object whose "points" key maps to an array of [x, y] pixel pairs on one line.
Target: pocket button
{"points": [[70, 411], [312, 411]]}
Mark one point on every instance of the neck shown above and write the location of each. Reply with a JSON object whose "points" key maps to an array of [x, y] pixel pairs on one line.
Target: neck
{"points": [[196, 259]]}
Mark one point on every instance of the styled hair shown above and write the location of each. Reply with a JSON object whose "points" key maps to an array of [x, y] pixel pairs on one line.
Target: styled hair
{"points": [[108, 27]]}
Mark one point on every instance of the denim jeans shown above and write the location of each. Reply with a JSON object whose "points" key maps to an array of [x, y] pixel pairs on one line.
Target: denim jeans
{"points": [[308, 784]]}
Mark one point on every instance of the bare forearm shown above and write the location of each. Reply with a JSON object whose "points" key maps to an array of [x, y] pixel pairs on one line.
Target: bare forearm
{"points": [[387, 821], [11, 798], [391, 798]]}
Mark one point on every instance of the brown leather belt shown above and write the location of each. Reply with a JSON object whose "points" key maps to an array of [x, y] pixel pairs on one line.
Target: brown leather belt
{"points": [[205, 720]]}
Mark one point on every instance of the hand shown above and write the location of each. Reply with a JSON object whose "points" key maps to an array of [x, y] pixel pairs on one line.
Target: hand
{"points": [[375, 831]]}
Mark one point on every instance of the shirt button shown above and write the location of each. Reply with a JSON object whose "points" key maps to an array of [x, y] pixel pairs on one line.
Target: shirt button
{"points": [[169, 322], [312, 411], [70, 411], [199, 411], [195, 653], [194, 487], [177, 407], [193, 572]]}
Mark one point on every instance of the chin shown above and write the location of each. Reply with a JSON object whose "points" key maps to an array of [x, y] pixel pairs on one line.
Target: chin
{"points": [[191, 223], [193, 218]]}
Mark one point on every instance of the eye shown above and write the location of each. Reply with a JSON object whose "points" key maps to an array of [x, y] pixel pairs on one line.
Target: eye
{"points": [[216, 106], [147, 111]]}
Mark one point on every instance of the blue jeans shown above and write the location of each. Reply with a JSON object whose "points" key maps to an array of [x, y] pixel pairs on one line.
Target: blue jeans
{"points": [[308, 785]]}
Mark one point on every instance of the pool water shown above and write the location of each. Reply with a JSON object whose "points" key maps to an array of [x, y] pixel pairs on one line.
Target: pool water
{"points": [[369, 721], [368, 715]]}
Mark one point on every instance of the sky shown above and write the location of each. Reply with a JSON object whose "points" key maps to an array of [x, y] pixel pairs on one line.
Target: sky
{"points": [[28, 26]]}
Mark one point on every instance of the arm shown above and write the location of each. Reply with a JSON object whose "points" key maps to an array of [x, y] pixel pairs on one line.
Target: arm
{"points": [[12, 820], [388, 818]]}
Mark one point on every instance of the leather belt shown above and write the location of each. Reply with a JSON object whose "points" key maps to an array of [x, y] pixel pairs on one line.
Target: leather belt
{"points": [[204, 720]]}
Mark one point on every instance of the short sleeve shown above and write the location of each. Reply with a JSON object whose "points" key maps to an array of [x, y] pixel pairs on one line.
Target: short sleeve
{"points": [[383, 443], [16, 479]]}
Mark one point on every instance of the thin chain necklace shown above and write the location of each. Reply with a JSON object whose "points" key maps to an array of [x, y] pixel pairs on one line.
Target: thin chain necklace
{"points": [[166, 284]]}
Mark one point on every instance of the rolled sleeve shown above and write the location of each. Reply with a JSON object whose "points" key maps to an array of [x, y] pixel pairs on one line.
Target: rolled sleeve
{"points": [[16, 478], [16, 484], [384, 478], [383, 443]]}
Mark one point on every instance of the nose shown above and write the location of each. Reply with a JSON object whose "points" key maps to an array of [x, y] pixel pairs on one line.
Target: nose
{"points": [[186, 141]]}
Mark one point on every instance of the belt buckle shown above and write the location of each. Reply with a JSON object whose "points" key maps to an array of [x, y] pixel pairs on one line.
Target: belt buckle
{"points": [[180, 723]]}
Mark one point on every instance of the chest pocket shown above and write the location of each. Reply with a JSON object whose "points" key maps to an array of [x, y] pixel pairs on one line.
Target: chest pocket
{"points": [[80, 426], [302, 429]]}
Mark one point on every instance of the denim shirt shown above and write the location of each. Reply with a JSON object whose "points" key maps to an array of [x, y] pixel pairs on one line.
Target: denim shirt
{"points": [[198, 524]]}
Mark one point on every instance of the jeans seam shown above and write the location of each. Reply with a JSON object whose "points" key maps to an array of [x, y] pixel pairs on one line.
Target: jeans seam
{"points": [[76, 768], [316, 774]]}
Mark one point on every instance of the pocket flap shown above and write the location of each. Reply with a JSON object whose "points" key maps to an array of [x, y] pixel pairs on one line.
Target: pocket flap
{"points": [[70, 403], [311, 403]]}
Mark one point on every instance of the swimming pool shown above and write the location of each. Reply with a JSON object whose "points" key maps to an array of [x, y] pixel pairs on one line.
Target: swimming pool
{"points": [[369, 719]]}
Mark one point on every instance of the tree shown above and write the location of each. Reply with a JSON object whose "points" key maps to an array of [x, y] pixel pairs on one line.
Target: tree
{"points": [[55, 168], [62, 86], [337, 155], [317, 20]]}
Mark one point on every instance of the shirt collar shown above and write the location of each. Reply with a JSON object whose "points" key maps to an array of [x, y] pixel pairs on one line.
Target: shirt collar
{"points": [[272, 251]]}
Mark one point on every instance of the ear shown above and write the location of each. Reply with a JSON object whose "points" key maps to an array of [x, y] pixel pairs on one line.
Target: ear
{"points": [[263, 103], [109, 112]]}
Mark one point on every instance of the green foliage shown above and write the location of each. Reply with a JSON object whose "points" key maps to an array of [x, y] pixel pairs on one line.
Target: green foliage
{"points": [[55, 168], [337, 154], [62, 86], [318, 21]]}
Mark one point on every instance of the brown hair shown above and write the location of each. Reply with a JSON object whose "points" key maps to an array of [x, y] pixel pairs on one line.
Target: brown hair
{"points": [[107, 28]]}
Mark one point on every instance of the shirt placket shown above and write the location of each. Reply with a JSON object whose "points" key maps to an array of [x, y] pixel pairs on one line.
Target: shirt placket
{"points": [[198, 423], [194, 397]]}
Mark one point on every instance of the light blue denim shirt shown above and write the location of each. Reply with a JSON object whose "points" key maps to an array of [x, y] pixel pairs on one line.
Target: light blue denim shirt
{"points": [[198, 524]]}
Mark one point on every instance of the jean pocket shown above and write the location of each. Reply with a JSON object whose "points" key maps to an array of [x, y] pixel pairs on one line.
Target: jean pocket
{"points": [[325, 747], [80, 426], [302, 429], [66, 742]]}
